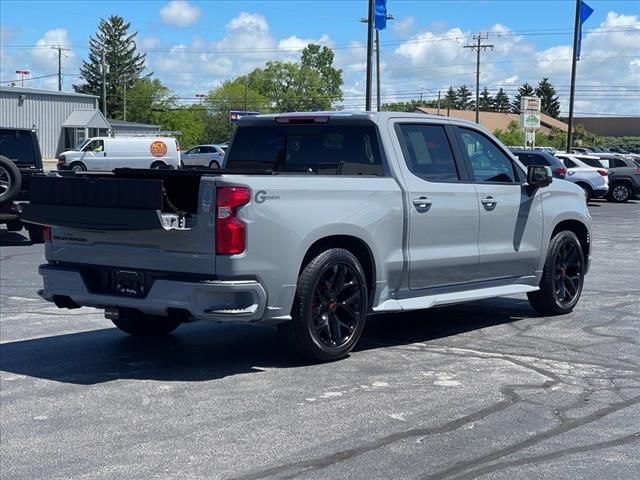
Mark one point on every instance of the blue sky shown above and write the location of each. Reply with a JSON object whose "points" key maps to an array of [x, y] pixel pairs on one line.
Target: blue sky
{"points": [[190, 44]]}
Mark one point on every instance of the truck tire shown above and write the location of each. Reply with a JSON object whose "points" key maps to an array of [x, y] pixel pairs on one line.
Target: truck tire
{"points": [[562, 278], [78, 167], [10, 180], [619, 192], [36, 233], [330, 307], [141, 325]]}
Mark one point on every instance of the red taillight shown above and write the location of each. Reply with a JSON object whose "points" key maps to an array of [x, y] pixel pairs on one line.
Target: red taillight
{"points": [[46, 231], [560, 171], [604, 172], [177, 146], [230, 231]]}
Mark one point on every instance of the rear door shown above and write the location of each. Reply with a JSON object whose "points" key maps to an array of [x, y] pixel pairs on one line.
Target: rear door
{"points": [[510, 233], [443, 212]]}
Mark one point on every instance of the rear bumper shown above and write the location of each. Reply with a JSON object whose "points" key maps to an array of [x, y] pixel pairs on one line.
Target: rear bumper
{"points": [[215, 300], [601, 192]]}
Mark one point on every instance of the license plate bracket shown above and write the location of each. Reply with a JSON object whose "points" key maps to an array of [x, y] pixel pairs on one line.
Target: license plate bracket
{"points": [[130, 283]]}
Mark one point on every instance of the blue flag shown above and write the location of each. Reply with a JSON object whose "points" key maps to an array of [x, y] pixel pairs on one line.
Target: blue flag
{"points": [[585, 12], [380, 19]]}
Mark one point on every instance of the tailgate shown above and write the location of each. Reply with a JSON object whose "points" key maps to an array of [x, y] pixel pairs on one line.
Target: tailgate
{"points": [[162, 224]]}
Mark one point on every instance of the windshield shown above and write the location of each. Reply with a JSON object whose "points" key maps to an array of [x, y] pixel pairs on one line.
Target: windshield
{"points": [[82, 144]]}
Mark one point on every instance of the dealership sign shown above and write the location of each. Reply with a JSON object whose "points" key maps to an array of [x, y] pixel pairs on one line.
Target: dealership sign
{"points": [[530, 120]]}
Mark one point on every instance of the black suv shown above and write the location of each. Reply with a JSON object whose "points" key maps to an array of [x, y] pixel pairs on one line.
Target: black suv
{"points": [[536, 157], [20, 160]]}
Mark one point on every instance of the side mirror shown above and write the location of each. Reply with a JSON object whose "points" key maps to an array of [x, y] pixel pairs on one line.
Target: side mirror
{"points": [[539, 176]]}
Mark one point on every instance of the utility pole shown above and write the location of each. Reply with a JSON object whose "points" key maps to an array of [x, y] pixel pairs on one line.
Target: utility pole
{"points": [[479, 46], [104, 86], [377, 48], [367, 101], [60, 50], [438, 102]]}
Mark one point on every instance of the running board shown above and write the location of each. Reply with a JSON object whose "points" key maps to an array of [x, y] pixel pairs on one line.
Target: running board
{"points": [[428, 301]]}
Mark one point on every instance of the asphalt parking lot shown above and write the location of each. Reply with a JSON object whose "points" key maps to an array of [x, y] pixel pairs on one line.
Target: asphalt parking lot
{"points": [[485, 390]]}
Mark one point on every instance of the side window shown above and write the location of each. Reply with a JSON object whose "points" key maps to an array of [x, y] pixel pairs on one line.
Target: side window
{"points": [[619, 163], [428, 153], [568, 163], [488, 163], [95, 146]]}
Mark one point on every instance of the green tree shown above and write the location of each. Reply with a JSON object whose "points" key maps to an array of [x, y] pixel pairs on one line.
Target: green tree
{"points": [[512, 135], [317, 63], [464, 99], [486, 101], [451, 99], [145, 98], [525, 90], [124, 63], [409, 106], [190, 121], [231, 95], [311, 84], [549, 102], [501, 102]]}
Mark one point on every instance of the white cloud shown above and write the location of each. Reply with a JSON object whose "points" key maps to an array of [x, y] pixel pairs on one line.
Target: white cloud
{"points": [[44, 58], [179, 13], [148, 42], [403, 27]]}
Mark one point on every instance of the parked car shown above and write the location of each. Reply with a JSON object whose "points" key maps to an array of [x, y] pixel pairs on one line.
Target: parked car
{"points": [[535, 157], [20, 161], [368, 213], [210, 156], [594, 181], [550, 150], [624, 178], [108, 153]]}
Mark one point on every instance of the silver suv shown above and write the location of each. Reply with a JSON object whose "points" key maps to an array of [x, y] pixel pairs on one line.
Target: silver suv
{"points": [[594, 181]]}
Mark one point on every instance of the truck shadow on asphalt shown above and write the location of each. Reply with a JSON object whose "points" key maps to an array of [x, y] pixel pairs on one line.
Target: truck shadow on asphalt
{"points": [[14, 239], [202, 352]]}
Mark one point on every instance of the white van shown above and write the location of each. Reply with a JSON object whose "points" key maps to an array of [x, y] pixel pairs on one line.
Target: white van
{"points": [[107, 153]]}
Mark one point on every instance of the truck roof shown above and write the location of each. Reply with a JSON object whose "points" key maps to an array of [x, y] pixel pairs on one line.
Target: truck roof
{"points": [[350, 115]]}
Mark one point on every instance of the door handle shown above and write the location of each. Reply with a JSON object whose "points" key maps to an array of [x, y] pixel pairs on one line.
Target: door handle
{"points": [[489, 203], [422, 204]]}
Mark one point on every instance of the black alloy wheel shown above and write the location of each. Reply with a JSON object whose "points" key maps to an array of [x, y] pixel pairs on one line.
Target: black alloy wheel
{"points": [[330, 307], [567, 273], [337, 305], [563, 276]]}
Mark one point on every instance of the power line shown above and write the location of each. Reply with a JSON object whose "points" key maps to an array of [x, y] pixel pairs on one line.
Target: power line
{"points": [[461, 36]]}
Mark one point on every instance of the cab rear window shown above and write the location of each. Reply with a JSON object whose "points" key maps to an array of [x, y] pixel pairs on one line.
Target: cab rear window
{"points": [[324, 150]]}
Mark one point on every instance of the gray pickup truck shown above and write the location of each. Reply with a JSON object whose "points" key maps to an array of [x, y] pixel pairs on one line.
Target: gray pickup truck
{"points": [[315, 222]]}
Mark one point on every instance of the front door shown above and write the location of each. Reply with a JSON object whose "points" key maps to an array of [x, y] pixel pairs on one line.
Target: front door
{"points": [[511, 222], [443, 211]]}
